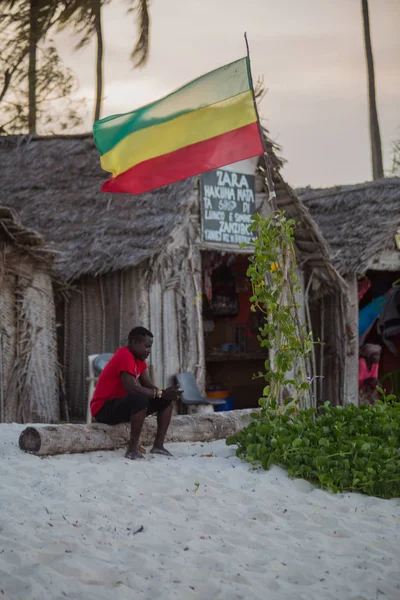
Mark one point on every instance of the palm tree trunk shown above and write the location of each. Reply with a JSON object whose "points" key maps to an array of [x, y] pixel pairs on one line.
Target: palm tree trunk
{"points": [[376, 146], [33, 41], [99, 60]]}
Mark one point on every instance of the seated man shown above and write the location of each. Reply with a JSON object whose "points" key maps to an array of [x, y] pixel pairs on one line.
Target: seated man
{"points": [[368, 368], [125, 393]]}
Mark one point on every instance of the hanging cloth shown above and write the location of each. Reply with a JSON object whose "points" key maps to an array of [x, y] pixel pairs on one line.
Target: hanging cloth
{"points": [[389, 320], [368, 315], [363, 286]]}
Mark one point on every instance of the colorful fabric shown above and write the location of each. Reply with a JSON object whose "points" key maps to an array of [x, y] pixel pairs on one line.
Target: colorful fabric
{"points": [[209, 123], [368, 315], [389, 320], [109, 384], [363, 287], [364, 373]]}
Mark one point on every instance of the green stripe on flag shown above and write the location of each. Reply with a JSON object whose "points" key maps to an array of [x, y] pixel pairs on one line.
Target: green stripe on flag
{"points": [[218, 85]]}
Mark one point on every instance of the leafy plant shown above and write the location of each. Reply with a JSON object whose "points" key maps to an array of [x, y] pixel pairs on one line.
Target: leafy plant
{"points": [[342, 449], [387, 398], [274, 282], [355, 449]]}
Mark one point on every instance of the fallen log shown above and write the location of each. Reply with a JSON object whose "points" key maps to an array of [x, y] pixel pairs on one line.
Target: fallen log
{"points": [[72, 438]]}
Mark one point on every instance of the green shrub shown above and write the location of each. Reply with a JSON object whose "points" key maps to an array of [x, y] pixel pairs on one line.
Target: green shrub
{"points": [[354, 449]]}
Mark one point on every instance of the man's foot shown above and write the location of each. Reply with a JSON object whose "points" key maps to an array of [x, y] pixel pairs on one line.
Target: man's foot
{"points": [[160, 450], [133, 453]]}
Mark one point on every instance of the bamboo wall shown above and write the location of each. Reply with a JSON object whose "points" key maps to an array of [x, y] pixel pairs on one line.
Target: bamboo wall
{"points": [[28, 348], [329, 332], [160, 296]]}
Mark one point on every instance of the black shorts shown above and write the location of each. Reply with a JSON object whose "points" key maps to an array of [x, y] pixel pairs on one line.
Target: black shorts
{"points": [[120, 410]]}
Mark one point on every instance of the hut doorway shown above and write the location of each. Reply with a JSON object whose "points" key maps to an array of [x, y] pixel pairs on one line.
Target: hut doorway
{"points": [[381, 289], [232, 352]]}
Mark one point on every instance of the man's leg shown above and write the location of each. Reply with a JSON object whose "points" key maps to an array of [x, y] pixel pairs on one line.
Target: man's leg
{"points": [[163, 421], [137, 420]]}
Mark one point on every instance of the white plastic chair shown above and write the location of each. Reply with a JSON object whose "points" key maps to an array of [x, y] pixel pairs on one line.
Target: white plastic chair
{"points": [[93, 379]]}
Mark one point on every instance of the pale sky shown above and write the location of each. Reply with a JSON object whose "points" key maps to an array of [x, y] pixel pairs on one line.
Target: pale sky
{"points": [[310, 53]]}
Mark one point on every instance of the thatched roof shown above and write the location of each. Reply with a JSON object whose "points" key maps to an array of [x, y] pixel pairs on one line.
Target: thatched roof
{"points": [[28, 241], [54, 185], [358, 221]]}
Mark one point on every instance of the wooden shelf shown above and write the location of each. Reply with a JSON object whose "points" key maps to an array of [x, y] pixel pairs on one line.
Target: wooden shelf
{"points": [[213, 357]]}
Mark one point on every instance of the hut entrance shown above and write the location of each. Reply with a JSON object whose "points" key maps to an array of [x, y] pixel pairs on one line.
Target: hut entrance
{"points": [[233, 353], [379, 324]]}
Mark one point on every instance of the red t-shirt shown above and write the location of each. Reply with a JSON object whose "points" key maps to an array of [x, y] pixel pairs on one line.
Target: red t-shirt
{"points": [[109, 384], [365, 373]]}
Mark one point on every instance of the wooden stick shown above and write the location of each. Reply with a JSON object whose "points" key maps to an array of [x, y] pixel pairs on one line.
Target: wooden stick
{"points": [[268, 171]]}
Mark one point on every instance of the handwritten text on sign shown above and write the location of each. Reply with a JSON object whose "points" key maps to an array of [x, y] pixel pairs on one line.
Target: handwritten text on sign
{"points": [[228, 201]]}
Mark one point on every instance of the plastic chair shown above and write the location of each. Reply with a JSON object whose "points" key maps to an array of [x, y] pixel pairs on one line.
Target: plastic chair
{"points": [[191, 394], [96, 363]]}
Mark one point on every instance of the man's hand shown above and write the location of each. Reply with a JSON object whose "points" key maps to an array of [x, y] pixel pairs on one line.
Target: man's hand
{"points": [[172, 393], [371, 382]]}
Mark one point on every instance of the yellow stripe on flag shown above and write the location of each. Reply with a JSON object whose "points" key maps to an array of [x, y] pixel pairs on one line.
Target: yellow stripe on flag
{"points": [[191, 128]]}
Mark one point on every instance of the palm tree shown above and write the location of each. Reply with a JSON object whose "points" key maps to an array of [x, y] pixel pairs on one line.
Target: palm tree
{"points": [[31, 20], [85, 17], [34, 36], [376, 146]]}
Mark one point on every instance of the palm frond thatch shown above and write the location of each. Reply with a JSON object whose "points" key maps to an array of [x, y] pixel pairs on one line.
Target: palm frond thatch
{"points": [[29, 241], [28, 341], [59, 196], [53, 183], [358, 221]]}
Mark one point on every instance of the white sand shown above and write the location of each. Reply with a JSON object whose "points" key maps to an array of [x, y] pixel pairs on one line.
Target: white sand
{"points": [[67, 530]]}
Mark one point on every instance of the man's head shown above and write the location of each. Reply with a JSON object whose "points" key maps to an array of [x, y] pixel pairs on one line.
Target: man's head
{"points": [[371, 352], [140, 341]]}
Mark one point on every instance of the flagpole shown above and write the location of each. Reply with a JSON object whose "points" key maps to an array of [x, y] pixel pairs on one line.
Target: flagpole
{"points": [[268, 171]]}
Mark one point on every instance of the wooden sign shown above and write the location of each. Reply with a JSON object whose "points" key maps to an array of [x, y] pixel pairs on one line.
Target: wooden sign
{"points": [[227, 204]]}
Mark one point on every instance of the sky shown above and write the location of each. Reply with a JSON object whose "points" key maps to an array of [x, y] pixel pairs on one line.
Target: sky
{"points": [[310, 54]]}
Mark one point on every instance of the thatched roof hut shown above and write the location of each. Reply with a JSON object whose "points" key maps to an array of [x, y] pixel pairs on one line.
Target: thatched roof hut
{"points": [[359, 222], [59, 195], [132, 259], [28, 347]]}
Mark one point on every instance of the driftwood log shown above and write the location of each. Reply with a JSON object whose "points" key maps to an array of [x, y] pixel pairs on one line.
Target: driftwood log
{"points": [[70, 438]]}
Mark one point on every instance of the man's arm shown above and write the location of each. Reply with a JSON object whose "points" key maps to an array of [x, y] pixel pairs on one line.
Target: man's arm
{"points": [[134, 387], [145, 380]]}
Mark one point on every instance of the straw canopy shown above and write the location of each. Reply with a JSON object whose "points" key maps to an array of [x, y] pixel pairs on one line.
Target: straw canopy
{"points": [[53, 183], [28, 241], [358, 221]]}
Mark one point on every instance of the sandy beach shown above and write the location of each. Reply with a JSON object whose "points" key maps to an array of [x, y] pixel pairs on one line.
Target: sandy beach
{"points": [[202, 525]]}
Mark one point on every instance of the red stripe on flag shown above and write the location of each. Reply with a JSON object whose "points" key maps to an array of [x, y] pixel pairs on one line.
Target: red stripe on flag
{"points": [[189, 161]]}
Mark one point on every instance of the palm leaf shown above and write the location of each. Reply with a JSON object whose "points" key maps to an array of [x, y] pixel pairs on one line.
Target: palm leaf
{"points": [[140, 53]]}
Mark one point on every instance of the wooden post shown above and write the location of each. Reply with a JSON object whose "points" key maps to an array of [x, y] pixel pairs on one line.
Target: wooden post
{"points": [[351, 344]]}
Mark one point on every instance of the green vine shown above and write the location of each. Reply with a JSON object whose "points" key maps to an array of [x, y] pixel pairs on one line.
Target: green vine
{"points": [[342, 449], [274, 282]]}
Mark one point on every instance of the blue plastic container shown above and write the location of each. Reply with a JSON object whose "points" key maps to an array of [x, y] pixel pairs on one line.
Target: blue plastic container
{"points": [[227, 405]]}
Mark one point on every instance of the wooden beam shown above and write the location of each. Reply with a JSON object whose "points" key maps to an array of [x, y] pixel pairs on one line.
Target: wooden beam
{"points": [[351, 343]]}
